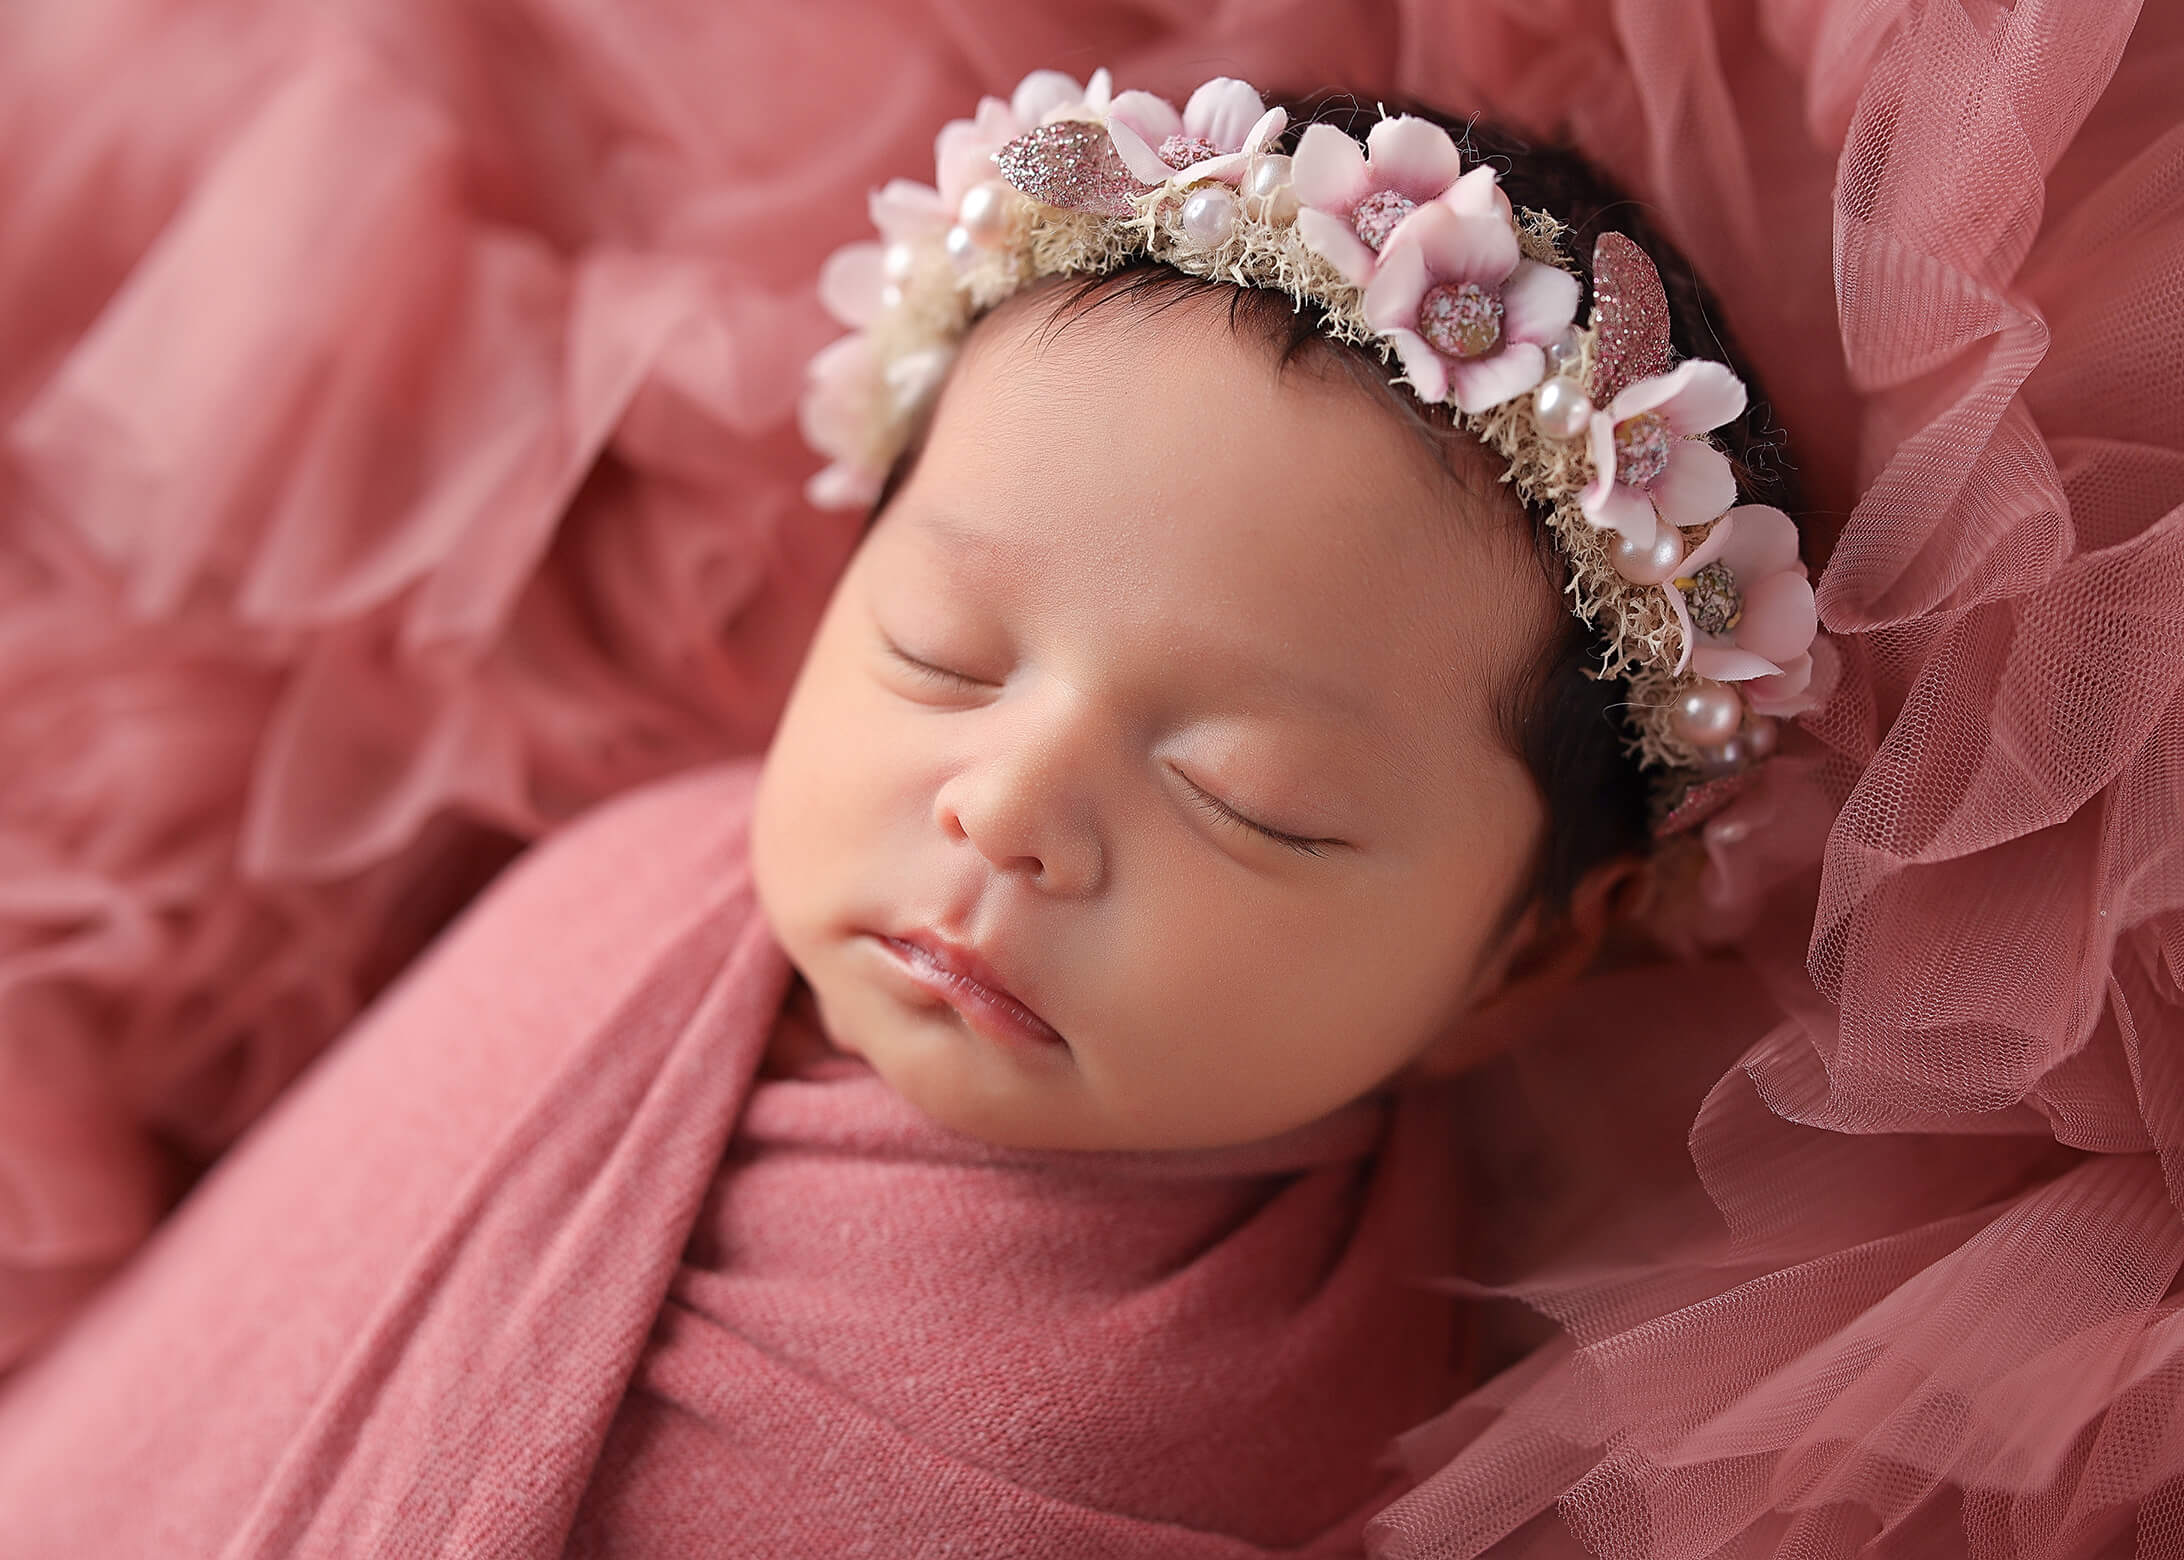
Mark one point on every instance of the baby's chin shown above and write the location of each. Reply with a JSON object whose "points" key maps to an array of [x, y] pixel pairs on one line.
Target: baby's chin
{"points": [[1006, 1117]]}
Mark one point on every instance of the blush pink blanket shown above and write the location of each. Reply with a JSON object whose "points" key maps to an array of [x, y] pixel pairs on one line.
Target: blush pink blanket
{"points": [[536, 1262]]}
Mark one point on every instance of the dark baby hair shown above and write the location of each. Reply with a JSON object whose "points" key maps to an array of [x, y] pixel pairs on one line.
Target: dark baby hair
{"points": [[1557, 715]]}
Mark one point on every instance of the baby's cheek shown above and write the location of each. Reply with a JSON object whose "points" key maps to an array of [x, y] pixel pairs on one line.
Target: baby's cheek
{"points": [[1342, 986], [1227, 978], [796, 827], [773, 849]]}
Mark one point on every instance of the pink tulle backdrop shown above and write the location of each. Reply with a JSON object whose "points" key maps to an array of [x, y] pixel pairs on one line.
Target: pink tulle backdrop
{"points": [[400, 457]]}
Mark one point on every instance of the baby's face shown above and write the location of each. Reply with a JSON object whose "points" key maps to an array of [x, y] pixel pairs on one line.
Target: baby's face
{"points": [[1165, 591]]}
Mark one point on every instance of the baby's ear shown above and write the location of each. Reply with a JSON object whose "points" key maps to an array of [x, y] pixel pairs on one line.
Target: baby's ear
{"points": [[1541, 954]]}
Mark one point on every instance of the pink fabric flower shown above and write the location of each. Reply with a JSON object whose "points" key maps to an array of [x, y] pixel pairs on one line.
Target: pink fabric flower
{"points": [[847, 387], [852, 282], [1465, 312], [849, 391], [963, 150], [1651, 460], [1743, 602], [1352, 197], [843, 383], [905, 210], [842, 388], [1050, 94], [1220, 129], [1801, 685]]}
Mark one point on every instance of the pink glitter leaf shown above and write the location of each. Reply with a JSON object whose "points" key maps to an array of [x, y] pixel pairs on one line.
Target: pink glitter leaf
{"points": [[1629, 316], [1072, 164], [1702, 801]]}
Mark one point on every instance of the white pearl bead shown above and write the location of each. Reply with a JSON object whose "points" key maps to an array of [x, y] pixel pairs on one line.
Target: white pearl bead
{"points": [[1723, 759], [1761, 736], [1563, 352], [1562, 408], [1728, 831], [1654, 564], [961, 247], [984, 213], [1706, 716], [1209, 216], [1280, 208], [899, 261], [891, 295], [1268, 175]]}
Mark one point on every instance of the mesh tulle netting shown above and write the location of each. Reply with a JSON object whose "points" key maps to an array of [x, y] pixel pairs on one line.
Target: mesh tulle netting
{"points": [[399, 457]]}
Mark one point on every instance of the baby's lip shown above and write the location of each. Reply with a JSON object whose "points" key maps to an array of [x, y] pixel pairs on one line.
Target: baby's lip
{"points": [[966, 962]]}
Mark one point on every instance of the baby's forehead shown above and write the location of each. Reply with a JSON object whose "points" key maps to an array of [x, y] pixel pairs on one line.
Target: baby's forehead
{"points": [[1185, 388], [1180, 402]]}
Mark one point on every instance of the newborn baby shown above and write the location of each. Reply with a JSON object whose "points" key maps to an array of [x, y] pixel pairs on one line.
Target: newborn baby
{"points": [[1123, 804], [1008, 1122]]}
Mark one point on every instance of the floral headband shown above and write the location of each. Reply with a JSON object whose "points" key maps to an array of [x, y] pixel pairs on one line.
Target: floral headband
{"points": [[1703, 604]]}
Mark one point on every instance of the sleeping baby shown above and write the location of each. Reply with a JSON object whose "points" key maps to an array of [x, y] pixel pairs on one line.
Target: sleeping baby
{"points": [[1011, 1119]]}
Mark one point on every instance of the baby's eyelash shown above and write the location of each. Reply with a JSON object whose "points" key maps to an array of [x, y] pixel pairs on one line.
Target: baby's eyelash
{"points": [[1222, 810], [927, 669]]}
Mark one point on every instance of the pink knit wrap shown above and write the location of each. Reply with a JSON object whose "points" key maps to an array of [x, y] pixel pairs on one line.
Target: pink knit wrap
{"points": [[528, 1263]]}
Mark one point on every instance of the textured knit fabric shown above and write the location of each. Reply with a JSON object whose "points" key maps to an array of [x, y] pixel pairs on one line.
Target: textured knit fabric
{"points": [[529, 1255]]}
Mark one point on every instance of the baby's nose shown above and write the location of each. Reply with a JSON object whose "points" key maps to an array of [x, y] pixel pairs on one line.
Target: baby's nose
{"points": [[1025, 818]]}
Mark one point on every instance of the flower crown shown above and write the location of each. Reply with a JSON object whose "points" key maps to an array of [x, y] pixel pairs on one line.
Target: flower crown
{"points": [[1703, 604]]}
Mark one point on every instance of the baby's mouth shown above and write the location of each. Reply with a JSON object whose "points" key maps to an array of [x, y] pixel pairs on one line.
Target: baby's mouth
{"points": [[959, 978]]}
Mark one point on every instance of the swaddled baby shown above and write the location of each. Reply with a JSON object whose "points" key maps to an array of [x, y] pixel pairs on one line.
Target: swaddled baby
{"points": [[1002, 1125], [1145, 790]]}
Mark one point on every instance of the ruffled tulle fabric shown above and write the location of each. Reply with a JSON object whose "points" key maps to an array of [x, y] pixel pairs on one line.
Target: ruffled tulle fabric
{"points": [[399, 455], [1894, 1269]]}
